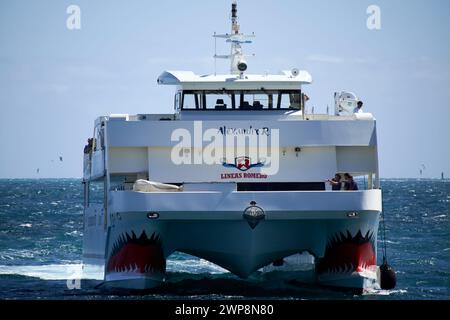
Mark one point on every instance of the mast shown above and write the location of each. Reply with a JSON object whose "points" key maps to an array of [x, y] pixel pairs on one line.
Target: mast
{"points": [[236, 38]]}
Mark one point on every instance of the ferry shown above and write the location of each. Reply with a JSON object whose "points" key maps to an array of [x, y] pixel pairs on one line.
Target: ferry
{"points": [[239, 175]]}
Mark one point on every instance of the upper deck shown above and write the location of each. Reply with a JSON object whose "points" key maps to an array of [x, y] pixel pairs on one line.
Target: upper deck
{"points": [[236, 128], [187, 80]]}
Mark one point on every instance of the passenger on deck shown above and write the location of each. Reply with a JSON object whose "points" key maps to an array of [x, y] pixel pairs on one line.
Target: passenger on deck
{"points": [[336, 183], [245, 105], [88, 147], [257, 105], [349, 183], [358, 109], [220, 105]]}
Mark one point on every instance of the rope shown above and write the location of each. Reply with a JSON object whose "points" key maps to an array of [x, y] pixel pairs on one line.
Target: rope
{"points": [[384, 237]]}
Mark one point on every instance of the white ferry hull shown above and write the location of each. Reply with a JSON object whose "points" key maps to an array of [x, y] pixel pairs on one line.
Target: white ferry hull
{"points": [[343, 244], [365, 279], [230, 177], [132, 281]]}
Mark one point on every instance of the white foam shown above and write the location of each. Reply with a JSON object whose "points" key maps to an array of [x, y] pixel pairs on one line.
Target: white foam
{"points": [[194, 266], [45, 272], [377, 292], [296, 262], [74, 233]]}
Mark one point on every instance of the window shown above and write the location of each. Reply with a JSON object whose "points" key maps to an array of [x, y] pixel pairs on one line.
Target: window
{"points": [[98, 138], [222, 100], [190, 101], [177, 101], [219, 100]]}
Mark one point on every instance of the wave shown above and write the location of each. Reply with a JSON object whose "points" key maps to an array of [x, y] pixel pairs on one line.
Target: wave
{"points": [[45, 272], [76, 271], [377, 292], [195, 266]]}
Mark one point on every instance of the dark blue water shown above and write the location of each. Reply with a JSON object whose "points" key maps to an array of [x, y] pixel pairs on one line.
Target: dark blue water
{"points": [[41, 246]]}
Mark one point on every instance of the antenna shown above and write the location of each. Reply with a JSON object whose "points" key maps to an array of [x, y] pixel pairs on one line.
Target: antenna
{"points": [[215, 54], [236, 39]]}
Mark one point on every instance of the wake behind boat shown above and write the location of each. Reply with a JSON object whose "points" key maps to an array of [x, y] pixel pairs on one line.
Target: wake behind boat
{"points": [[237, 175]]}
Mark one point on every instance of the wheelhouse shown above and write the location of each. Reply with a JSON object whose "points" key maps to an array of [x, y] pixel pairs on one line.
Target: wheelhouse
{"points": [[223, 100]]}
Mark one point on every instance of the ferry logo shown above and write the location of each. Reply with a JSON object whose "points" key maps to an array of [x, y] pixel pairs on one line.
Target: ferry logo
{"points": [[243, 164]]}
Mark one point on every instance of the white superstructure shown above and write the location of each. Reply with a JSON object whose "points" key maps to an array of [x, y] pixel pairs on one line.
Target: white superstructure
{"points": [[237, 176]]}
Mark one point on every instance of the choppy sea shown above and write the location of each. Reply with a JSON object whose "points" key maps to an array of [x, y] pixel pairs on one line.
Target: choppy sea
{"points": [[41, 231]]}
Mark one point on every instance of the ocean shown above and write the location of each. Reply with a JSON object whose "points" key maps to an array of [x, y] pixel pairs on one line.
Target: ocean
{"points": [[41, 231]]}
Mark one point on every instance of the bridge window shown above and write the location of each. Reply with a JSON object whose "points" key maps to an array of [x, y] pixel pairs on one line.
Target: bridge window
{"points": [[222, 100]]}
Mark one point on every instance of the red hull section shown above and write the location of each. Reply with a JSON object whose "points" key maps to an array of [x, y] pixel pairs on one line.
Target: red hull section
{"points": [[141, 255], [345, 253]]}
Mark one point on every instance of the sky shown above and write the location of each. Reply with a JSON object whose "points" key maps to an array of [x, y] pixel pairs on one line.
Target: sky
{"points": [[54, 82]]}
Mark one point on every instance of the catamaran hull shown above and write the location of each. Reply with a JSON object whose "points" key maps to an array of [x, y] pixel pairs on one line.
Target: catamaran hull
{"points": [[139, 242]]}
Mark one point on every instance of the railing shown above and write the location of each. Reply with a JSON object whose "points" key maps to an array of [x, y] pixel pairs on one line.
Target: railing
{"points": [[362, 183], [285, 203], [87, 164], [93, 165]]}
